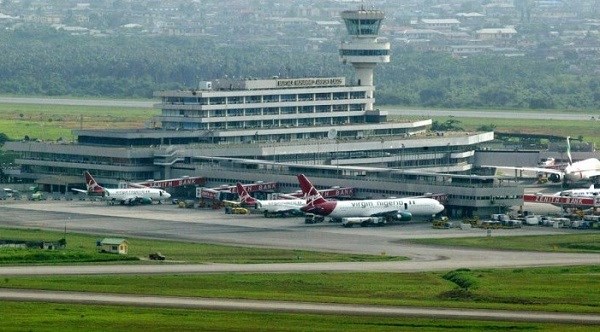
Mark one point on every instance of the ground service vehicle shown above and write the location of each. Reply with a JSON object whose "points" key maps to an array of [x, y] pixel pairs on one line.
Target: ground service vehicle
{"points": [[363, 222], [313, 218]]}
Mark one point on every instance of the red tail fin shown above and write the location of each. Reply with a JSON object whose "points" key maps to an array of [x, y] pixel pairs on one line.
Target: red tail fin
{"points": [[91, 185], [244, 195], [310, 192]]}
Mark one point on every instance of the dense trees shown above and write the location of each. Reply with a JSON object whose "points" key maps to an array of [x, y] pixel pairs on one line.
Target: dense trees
{"points": [[49, 62]]}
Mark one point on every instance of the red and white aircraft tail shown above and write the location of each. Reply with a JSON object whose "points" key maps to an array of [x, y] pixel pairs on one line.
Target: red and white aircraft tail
{"points": [[93, 188], [245, 197], [313, 197]]}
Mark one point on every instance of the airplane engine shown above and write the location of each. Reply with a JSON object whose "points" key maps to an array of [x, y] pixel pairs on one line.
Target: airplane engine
{"points": [[404, 216], [145, 200], [555, 178]]}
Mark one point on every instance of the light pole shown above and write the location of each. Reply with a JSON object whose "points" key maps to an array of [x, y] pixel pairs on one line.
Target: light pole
{"points": [[382, 141], [337, 157], [401, 156], [448, 161]]}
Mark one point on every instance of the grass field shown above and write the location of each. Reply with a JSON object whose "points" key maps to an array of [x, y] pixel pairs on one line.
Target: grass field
{"points": [[562, 289], [568, 289], [584, 242], [19, 316], [82, 248], [51, 122], [587, 129]]}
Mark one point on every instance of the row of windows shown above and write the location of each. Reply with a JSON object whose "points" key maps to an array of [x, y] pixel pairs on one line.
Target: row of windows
{"points": [[263, 124], [265, 111], [485, 198], [364, 52], [126, 176], [264, 98], [85, 159]]}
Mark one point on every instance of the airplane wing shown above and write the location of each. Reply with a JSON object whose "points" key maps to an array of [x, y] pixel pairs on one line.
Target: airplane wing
{"points": [[390, 213], [79, 190], [593, 174], [134, 199], [280, 207], [531, 169], [287, 196], [232, 203], [285, 208]]}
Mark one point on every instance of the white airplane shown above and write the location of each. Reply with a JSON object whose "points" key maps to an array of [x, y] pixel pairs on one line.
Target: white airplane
{"points": [[589, 192], [271, 207], [375, 211], [127, 196], [583, 170]]}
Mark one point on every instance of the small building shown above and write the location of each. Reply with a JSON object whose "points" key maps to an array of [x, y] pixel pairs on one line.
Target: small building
{"points": [[113, 245], [496, 33]]}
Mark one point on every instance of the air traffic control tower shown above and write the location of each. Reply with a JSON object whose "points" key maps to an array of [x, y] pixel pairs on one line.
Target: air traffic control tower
{"points": [[363, 50]]}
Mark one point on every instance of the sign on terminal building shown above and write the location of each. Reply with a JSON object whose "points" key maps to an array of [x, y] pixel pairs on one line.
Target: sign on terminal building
{"points": [[310, 82]]}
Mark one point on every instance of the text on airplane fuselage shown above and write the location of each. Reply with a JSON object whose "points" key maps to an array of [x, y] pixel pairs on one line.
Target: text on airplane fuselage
{"points": [[376, 203]]}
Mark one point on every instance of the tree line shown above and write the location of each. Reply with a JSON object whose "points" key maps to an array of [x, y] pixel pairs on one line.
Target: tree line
{"points": [[39, 61]]}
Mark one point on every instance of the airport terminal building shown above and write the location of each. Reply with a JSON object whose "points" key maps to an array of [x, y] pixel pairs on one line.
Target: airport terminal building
{"points": [[326, 126]]}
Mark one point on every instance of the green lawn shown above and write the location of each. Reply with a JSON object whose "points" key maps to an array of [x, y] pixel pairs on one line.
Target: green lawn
{"points": [[565, 289], [569, 289], [583, 242], [51, 122], [26, 316], [588, 129], [82, 248]]}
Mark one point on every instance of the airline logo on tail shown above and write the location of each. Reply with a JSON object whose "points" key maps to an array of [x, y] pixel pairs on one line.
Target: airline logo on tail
{"points": [[569, 150], [313, 197], [91, 185], [245, 197]]}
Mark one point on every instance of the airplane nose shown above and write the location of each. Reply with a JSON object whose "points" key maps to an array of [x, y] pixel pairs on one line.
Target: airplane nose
{"points": [[439, 208]]}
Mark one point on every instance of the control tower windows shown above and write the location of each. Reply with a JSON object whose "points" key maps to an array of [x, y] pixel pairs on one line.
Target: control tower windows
{"points": [[361, 27]]}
